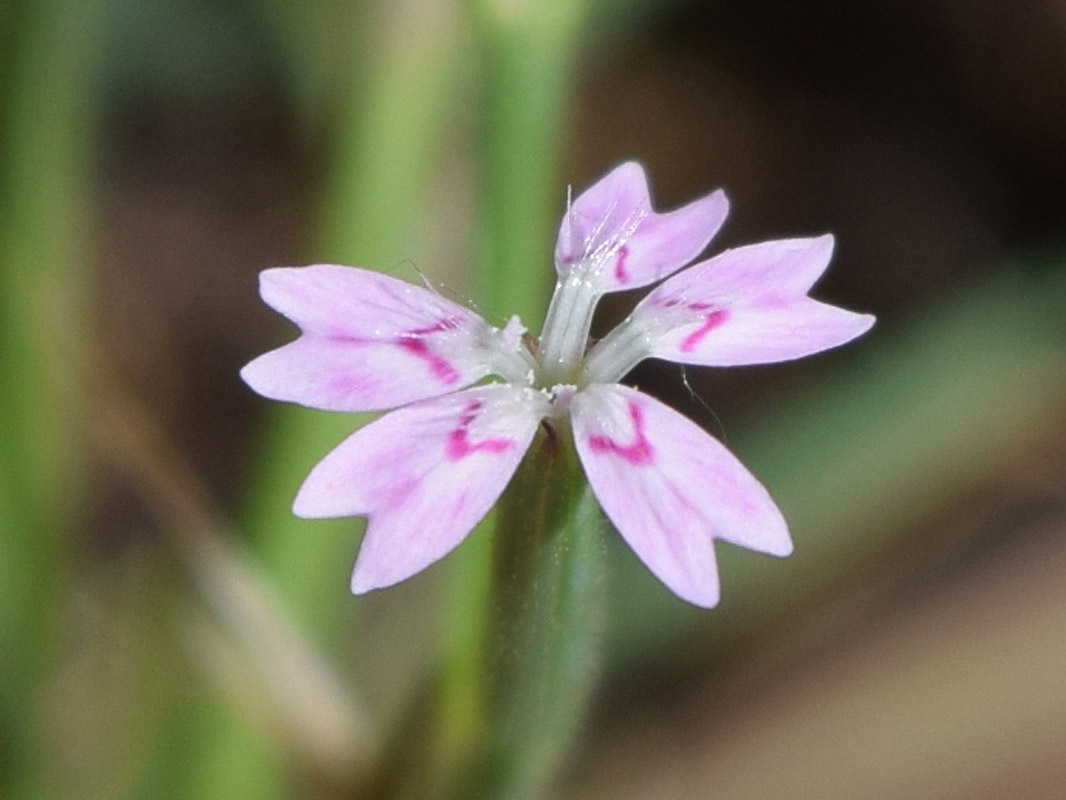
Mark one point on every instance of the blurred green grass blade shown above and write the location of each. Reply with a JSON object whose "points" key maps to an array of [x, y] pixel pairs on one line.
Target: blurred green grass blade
{"points": [[228, 765], [393, 113], [527, 52], [302, 557], [264, 666], [316, 52], [235, 631], [388, 149], [393, 138], [925, 413], [47, 150]]}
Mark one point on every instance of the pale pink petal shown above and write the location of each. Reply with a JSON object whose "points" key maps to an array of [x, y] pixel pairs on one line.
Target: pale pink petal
{"points": [[613, 237], [748, 306], [761, 334], [785, 267], [670, 489], [369, 341], [424, 475]]}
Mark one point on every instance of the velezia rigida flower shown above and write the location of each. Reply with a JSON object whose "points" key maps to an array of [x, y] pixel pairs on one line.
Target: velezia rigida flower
{"points": [[470, 397]]}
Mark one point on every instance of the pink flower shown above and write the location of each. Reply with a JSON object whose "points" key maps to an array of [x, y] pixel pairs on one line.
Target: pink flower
{"points": [[426, 473]]}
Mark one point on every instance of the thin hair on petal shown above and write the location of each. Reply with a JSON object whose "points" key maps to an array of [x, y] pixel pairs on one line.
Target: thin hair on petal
{"points": [[439, 288], [723, 436], [591, 251], [495, 319], [401, 270], [446, 291], [570, 217], [619, 240], [587, 249]]}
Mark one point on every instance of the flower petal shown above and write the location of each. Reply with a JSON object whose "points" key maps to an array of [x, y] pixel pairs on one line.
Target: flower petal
{"points": [[762, 334], [785, 267], [670, 489], [748, 306], [611, 236], [425, 475], [369, 341]]}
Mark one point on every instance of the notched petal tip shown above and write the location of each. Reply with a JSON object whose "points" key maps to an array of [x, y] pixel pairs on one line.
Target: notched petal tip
{"points": [[670, 489], [864, 322], [267, 375], [707, 600], [308, 505], [748, 305], [278, 284], [614, 238], [361, 583], [773, 540], [819, 252], [629, 174], [368, 341], [270, 277], [250, 375], [714, 207], [424, 475]]}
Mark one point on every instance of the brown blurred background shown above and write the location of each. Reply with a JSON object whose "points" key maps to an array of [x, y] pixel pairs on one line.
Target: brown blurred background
{"points": [[922, 652]]}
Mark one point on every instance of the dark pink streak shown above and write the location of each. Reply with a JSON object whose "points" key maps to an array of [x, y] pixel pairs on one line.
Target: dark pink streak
{"points": [[639, 452], [620, 265], [440, 367], [446, 324], [710, 322], [459, 445], [416, 346]]}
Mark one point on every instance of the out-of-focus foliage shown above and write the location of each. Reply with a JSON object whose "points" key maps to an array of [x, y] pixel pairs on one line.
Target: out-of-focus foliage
{"points": [[168, 629]]}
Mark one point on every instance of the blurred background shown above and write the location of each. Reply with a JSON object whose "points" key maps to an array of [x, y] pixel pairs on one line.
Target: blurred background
{"points": [[168, 630]]}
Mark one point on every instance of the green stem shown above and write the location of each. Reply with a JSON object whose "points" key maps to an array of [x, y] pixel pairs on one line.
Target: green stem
{"points": [[537, 663], [526, 51], [548, 612]]}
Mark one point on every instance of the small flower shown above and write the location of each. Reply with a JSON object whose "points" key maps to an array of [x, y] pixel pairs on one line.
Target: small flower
{"points": [[426, 473]]}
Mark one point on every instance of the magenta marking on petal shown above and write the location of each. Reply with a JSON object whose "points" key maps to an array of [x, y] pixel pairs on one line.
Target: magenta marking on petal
{"points": [[639, 452], [440, 367], [620, 273], [710, 322], [416, 346], [459, 445], [446, 324]]}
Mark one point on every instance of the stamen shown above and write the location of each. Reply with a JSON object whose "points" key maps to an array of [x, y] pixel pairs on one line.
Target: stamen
{"points": [[508, 354]]}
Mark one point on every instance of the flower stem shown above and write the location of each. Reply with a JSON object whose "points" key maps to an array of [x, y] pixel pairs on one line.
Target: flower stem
{"points": [[526, 52], [547, 620]]}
